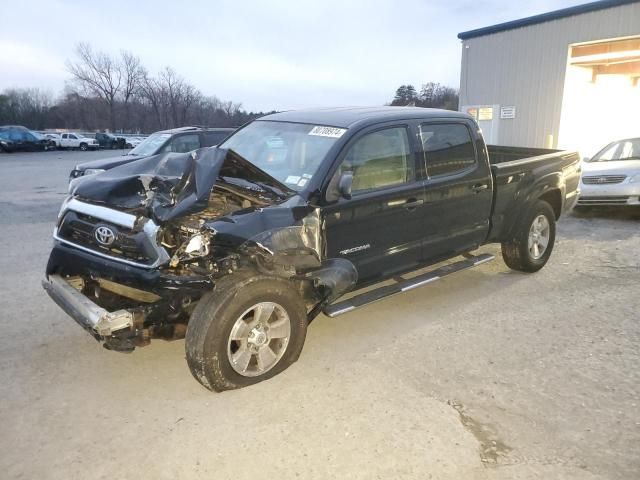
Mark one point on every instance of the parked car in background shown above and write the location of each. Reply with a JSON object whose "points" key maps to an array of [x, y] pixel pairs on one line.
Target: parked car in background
{"points": [[15, 138], [179, 140], [133, 142], [54, 137], [51, 144], [77, 140], [109, 141], [612, 176]]}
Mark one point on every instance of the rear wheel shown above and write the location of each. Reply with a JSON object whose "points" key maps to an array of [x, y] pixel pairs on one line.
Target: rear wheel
{"points": [[250, 328], [533, 243]]}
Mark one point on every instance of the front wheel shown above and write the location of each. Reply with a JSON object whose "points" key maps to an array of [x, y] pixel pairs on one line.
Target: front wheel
{"points": [[533, 242], [83, 147], [250, 328]]}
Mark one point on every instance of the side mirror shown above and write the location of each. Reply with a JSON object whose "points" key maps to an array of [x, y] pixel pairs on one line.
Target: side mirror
{"points": [[340, 186], [345, 184]]}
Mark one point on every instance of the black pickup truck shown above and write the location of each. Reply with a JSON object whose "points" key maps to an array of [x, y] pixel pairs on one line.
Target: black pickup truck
{"points": [[239, 247]]}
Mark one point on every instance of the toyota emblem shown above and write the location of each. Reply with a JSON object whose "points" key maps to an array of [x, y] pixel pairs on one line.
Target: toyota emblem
{"points": [[104, 235]]}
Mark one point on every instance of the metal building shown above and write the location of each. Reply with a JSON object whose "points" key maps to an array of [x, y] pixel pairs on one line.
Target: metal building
{"points": [[564, 79]]}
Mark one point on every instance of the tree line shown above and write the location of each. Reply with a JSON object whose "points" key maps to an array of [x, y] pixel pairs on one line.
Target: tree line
{"points": [[431, 95], [116, 92]]}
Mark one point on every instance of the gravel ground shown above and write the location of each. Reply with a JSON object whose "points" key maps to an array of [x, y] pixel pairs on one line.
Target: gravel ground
{"points": [[488, 374]]}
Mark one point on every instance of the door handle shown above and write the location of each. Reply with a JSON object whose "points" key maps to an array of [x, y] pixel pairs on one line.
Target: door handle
{"points": [[413, 203], [479, 187], [408, 204]]}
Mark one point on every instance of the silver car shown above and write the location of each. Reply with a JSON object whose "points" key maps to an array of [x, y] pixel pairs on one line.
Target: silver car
{"points": [[612, 176]]}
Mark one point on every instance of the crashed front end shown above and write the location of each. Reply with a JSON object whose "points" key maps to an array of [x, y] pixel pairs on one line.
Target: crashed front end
{"points": [[136, 247]]}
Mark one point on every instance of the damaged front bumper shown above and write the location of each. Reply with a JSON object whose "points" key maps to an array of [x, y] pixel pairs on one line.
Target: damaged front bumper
{"points": [[122, 306], [93, 318]]}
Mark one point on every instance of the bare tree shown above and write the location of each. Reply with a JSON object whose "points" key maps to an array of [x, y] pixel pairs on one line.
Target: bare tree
{"points": [[133, 74], [98, 74], [151, 93]]}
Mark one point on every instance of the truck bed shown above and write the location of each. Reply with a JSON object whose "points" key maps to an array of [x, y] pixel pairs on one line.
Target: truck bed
{"points": [[503, 154], [520, 174]]}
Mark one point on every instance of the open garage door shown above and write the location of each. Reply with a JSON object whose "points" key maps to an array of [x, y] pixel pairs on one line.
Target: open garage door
{"points": [[601, 101]]}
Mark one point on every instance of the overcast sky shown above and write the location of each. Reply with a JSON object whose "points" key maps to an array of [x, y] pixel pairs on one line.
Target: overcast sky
{"points": [[265, 54]]}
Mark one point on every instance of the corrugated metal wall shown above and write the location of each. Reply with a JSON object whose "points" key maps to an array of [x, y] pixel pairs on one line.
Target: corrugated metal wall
{"points": [[525, 67]]}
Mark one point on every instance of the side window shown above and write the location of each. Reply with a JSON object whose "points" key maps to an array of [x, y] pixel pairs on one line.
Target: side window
{"points": [[15, 135], [448, 148], [214, 138], [64, 135], [379, 159], [183, 143]]}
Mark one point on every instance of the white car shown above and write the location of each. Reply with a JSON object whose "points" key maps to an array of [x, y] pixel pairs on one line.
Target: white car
{"points": [[612, 176], [76, 140], [133, 142]]}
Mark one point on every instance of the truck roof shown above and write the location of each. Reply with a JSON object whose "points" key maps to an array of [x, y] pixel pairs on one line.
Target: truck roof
{"points": [[197, 128], [346, 117]]}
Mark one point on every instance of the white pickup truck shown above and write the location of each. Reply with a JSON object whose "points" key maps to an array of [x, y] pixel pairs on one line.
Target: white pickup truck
{"points": [[76, 140]]}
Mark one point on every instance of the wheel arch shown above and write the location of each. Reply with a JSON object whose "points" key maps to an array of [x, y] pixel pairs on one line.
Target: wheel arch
{"points": [[553, 197]]}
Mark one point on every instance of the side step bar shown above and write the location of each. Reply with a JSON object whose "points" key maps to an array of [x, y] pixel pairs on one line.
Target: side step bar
{"points": [[403, 285]]}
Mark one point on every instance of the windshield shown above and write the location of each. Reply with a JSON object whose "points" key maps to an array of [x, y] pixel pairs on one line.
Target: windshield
{"points": [[289, 152], [623, 150], [151, 144]]}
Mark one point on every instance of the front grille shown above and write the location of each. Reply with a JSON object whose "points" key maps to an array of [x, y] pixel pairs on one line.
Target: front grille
{"points": [[603, 200], [603, 179], [80, 229]]}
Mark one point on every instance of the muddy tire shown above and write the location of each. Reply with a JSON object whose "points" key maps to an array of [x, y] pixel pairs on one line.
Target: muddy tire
{"points": [[248, 329], [533, 242]]}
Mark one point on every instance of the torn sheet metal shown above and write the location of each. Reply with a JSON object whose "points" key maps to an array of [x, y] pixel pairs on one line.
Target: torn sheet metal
{"points": [[168, 186]]}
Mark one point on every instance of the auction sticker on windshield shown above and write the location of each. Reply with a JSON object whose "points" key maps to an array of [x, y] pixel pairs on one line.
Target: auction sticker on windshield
{"points": [[332, 132]]}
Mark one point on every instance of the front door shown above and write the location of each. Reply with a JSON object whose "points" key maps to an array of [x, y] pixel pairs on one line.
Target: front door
{"points": [[380, 228], [458, 189]]}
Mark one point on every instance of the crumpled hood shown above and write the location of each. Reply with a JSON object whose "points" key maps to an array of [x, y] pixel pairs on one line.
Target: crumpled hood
{"points": [[172, 185]]}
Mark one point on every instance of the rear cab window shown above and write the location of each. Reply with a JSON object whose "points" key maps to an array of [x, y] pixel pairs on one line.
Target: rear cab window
{"points": [[448, 148]]}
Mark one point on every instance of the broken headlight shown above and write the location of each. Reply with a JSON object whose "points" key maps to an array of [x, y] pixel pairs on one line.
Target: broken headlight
{"points": [[196, 246]]}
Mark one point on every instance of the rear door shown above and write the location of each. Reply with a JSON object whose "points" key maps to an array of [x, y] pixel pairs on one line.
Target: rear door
{"points": [[459, 188], [380, 228]]}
